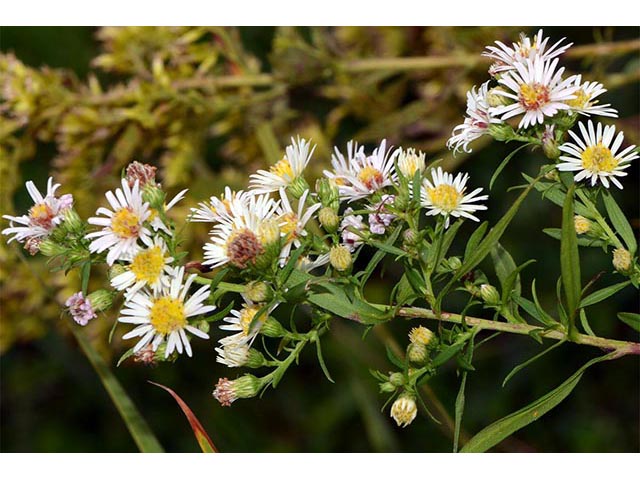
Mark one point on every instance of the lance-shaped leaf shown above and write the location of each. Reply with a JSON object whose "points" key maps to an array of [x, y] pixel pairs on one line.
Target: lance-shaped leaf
{"points": [[569, 258], [138, 427], [206, 445], [498, 431], [631, 319], [620, 222], [603, 294]]}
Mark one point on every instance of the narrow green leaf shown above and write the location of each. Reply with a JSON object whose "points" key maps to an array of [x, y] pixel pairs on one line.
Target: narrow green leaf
{"points": [[460, 398], [388, 248], [220, 314], [137, 426], [631, 319], [447, 240], [206, 445], [569, 258], [504, 164], [554, 193], [378, 256], [341, 306], [511, 286], [501, 429], [620, 222], [603, 294], [582, 241], [451, 350], [585, 323], [393, 358], [323, 366], [124, 356], [85, 274], [503, 263], [530, 361], [474, 239], [289, 267]]}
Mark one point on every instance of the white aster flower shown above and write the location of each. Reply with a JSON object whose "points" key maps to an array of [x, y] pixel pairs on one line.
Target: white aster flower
{"points": [[123, 226], [219, 208], [46, 213], [585, 102], [240, 321], [292, 222], [284, 172], [526, 49], [410, 162], [242, 236], [163, 316], [537, 90], [596, 155], [446, 196], [360, 175], [477, 122], [233, 354], [349, 223], [148, 267]]}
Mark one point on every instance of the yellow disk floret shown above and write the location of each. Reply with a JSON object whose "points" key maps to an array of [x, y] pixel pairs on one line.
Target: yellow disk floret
{"points": [[598, 158], [125, 223], [148, 265], [445, 197], [167, 315]]}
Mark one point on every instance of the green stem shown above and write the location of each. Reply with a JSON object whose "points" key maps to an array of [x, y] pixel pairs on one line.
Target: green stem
{"points": [[622, 347]]}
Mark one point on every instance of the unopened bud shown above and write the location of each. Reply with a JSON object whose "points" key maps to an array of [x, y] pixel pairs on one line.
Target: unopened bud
{"points": [[258, 292], [298, 187], [153, 195], [496, 99], [227, 391], [255, 359], [404, 410], [72, 221], [387, 387], [397, 379], [421, 335], [454, 263], [417, 353], [582, 224], [269, 232], [549, 144], [328, 194], [552, 175], [328, 219], [340, 257], [203, 326], [101, 300], [272, 328], [401, 202], [501, 132], [622, 260], [489, 294], [410, 237], [49, 248]]}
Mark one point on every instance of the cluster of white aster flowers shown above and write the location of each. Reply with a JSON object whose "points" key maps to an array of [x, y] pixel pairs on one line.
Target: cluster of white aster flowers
{"points": [[527, 83]]}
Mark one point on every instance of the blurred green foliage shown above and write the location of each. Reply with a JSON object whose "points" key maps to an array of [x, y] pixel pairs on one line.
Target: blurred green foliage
{"points": [[209, 104]]}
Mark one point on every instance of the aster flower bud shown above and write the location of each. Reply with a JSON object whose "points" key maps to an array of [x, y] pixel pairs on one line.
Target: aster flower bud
{"points": [[549, 144], [582, 224], [49, 248], [101, 300], [255, 359], [329, 219], [340, 257], [72, 221], [552, 175], [404, 410], [298, 187], [410, 162], [387, 387], [203, 326], [154, 196], [622, 260], [421, 336], [258, 292], [144, 173], [417, 353], [501, 132], [410, 237], [228, 391], [454, 263], [272, 328], [397, 379], [328, 194], [115, 270], [489, 294]]}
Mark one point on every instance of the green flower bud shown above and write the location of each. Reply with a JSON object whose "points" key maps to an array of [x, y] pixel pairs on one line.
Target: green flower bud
{"points": [[454, 263], [417, 353], [298, 187], [154, 196], [328, 219], [72, 221], [387, 387], [203, 326], [489, 294], [396, 379], [501, 132], [49, 248], [340, 257], [101, 300], [328, 194], [272, 328], [255, 359], [410, 237], [401, 202], [421, 335], [258, 292]]}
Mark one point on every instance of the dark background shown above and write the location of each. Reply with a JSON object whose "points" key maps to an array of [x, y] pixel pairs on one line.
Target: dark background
{"points": [[52, 401]]}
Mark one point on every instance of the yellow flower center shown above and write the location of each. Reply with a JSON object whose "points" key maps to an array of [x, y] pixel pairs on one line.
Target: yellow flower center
{"points": [[167, 315], [581, 100], [41, 215], [148, 265], [370, 177], [289, 226], [533, 96], [598, 158], [125, 223], [445, 197], [282, 169], [246, 317]]}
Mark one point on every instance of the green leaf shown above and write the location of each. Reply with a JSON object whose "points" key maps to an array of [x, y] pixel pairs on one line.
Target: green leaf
{"points": [[378, 256], [447, 240], [620, 222], [460, 398], [503, 263], [124, 356], [393, 358], [220, 314], [585, 323], [325, 370], [582, 241], [474, 239], [501, 429], [530, 361], [206, 445], [85, 274], [137, 426], [554, 193], [341, 306], [569, 258], [603, 294], [631, 319], [504, 164], [388, 248], [451, 350]]}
